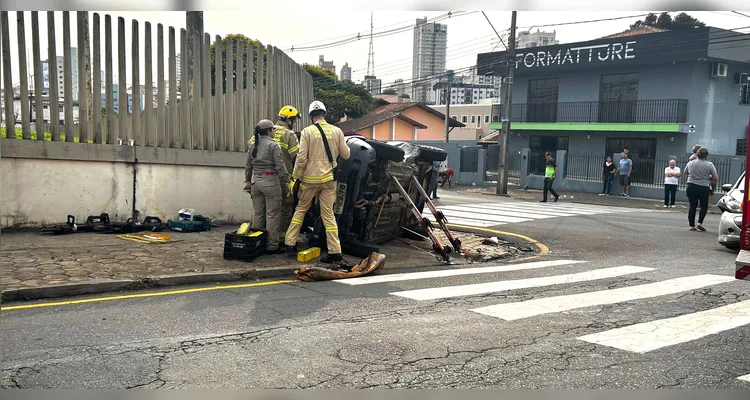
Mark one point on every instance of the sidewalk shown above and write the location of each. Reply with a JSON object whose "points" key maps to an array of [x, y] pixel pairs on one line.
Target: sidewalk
{"points": [[34, 265]]}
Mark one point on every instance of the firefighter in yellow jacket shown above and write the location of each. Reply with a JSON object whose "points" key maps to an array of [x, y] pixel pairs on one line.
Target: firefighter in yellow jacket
{"points": [[286, 138], [313, 177], [264, 170]]}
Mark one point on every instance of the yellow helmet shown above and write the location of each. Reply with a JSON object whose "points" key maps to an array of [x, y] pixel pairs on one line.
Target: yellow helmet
{"points": [[288, 112]]}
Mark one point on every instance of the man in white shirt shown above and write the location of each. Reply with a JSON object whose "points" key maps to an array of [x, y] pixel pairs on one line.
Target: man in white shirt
{"points": [[671, 180]]}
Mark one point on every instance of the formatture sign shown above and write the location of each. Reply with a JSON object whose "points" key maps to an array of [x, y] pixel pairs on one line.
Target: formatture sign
{"points": [[599, 53], [648, 49]]}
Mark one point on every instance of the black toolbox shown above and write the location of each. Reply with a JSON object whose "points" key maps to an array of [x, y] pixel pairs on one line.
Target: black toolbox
{"points": [[245, 247]]}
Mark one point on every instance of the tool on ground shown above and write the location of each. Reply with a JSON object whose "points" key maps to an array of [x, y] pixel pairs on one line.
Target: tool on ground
{"points": [[197, 223], [146, 237], [437, 256], [245, 247], [426, 224], [153, 224], [309, 254], [440, 219], [374, 262]]}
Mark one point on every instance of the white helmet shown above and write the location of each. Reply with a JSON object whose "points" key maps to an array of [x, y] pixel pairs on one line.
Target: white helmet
{"points": [[317, 105]]}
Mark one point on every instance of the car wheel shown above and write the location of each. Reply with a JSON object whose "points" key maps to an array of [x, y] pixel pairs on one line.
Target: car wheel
{"points": [[431, 154], [732, 246], [385, 151]]}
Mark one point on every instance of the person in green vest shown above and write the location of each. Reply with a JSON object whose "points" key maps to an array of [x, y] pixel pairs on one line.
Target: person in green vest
{"points": [[550, 173]]}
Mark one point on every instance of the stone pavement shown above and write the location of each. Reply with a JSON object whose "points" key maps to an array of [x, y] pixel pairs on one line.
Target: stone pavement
{"points": [[76, 263]]}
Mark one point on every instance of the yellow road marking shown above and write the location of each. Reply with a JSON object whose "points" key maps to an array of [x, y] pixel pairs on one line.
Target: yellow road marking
{"points": [[543, 250], [134, 296]]}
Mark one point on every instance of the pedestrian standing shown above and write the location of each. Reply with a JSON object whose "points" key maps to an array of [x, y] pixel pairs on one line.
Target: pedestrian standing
{"points": [[434, 174], [608, 174], [320, 146], [700, 172], [550, 173], [625, 168], [671, 180], [264, 171]]}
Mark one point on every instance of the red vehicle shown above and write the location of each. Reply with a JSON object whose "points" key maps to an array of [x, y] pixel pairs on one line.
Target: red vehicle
{"points": [[742, 263]]}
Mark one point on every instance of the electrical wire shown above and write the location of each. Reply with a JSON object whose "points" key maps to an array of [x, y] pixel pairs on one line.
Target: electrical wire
{"points": [[379, 34], [358, 33], [737, 37]]}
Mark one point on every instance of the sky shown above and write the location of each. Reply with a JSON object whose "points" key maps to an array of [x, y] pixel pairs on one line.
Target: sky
{"points": [[468, 34]]}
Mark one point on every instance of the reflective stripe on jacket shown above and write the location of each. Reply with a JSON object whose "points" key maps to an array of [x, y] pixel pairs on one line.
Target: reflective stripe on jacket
{"points": [[312, 165]]}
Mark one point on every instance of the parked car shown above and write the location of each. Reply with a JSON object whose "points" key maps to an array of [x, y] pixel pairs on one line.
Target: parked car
{"points": [[368, 208], [730, 223]]}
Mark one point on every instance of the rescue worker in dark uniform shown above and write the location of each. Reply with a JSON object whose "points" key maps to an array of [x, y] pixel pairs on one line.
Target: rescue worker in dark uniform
{"points": [[264, 171]]}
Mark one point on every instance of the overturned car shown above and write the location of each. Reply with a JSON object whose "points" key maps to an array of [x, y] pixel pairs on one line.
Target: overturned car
{"points": [[370, 206]]}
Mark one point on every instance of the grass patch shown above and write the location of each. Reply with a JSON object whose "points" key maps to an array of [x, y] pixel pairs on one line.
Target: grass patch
{"points": [[35, 135]]}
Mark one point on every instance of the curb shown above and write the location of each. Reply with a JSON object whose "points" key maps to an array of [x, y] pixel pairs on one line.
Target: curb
{"points": [[104, 286]]}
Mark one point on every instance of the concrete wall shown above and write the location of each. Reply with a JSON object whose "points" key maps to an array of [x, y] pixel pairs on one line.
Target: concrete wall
{"points": [[36, 191], [43, 182], [713, 104]]}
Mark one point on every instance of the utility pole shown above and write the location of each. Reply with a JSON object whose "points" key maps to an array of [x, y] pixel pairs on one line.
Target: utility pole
{"points": [[448, 104], [502, 170]]}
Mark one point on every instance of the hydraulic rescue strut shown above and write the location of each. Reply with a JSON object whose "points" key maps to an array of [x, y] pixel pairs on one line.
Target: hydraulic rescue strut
{"points": [[440, 218], [426, 224]]}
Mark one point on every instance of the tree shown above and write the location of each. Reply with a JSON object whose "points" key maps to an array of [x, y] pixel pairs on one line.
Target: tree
{"points": [[338, 96], [391, 92], [665, 21], [242, 40]]}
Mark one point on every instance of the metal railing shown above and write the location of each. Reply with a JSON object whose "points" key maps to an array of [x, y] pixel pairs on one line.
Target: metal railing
{"points": [[625, 111], [646, 172]]}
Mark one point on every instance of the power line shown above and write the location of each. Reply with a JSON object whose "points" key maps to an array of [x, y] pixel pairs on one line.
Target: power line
{"points": [[735, 37], [739, 13], [402, 66], [379, 34], [351, 34], [493, 28], [585, 22], [409, 60]]}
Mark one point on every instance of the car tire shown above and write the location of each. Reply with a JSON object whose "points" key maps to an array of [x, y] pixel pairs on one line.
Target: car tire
{"points": [[431, 154], [386, 151]]}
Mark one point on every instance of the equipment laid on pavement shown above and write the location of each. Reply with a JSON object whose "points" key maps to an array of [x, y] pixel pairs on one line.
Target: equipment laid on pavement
{"points": [[440, 218], [374, 262], [102, 224], [245, 247], [309, 254], [198, 223], [426, 224], [146, 237]]}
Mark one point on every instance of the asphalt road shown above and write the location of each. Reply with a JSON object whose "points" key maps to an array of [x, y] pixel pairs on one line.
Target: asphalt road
{"points": [[401, 334]]}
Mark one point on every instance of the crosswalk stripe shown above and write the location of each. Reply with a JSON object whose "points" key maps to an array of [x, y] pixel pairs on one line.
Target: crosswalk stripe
{"points": [[485, 217], [515, 210], [481, 212], [529, 210], [499, 286], [365, 280], [548, 305], [470, 222], [744, 378], [649, 336]]}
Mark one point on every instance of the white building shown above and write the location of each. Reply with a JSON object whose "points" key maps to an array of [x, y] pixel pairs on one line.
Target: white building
{"points": [[526, 39], [61, 74], [179, 69], [476, 117], [430, 43], [467, 93]]}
